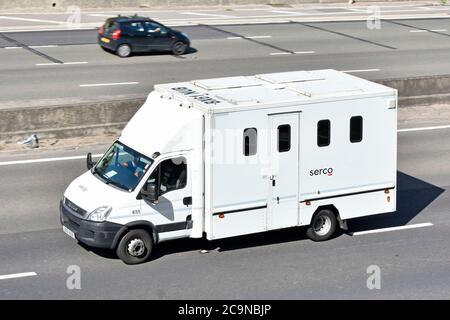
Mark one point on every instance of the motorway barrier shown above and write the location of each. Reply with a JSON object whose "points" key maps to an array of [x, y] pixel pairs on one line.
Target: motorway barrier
{"points": [[109, 117]]}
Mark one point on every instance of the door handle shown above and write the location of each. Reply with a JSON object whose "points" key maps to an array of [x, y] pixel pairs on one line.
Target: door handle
{"points": [[273, 182], [278, 200], [187, 201]]}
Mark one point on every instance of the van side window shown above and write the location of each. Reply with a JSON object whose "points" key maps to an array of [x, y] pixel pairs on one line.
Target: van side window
{"points": [[171, 175], [250, 141], [356, 129], [284, 138], [323, 133]]}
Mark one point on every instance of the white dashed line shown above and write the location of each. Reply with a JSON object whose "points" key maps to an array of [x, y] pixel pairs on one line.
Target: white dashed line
{"points": [[107, 84], [10, 163], [424, 128], [60, 64], [360, 70], [411, 226], [18, 275]]}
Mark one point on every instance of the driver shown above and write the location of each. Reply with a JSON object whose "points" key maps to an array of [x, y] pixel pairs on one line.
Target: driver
{"points": [[135, 166]]}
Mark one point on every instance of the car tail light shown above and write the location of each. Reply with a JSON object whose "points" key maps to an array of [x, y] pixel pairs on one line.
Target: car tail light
{"points": [[101, 30], [116, 34]]}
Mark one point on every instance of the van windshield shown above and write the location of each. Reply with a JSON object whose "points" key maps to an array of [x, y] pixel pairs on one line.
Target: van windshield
{"points": [[122, 167]]}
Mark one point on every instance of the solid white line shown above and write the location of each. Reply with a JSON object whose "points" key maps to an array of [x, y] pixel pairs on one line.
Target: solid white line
{"points": [[417, 31], [9, 163], [360, 70], [250, 37], [9, 48], [302, 52], [438, 30], [279, 53], [18, 275], [424, 128], [47, 64], [107, 84], [411, 226]]}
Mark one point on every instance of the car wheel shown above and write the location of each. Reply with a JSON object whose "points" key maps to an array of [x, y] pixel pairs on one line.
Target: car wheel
{"points": [[123, 51], [135, 247], [323, 226], [179, 48]]}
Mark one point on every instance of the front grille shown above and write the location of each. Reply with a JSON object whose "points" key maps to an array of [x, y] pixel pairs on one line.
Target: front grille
{"points": [[75, 208]]}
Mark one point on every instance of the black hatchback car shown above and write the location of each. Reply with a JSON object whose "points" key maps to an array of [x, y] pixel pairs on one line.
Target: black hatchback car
{"points": [[126, 35]]}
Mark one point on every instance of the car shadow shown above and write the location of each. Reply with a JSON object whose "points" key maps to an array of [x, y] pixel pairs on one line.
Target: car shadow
{"points": [[188, 52], [413, 195]]}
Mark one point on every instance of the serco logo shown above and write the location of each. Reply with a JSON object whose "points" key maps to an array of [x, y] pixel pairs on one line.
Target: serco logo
{"points": [[319, 172]]}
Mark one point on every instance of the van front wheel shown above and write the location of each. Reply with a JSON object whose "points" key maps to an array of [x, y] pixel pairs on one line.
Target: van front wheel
{"points": [[135, 247], [323, 226]]}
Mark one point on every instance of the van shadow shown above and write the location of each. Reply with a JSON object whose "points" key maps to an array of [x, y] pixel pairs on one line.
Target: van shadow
{"points": [[413, 195]]}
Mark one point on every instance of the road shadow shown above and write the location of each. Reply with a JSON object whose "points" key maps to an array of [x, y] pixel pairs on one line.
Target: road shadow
{"points": [[413, 195]]}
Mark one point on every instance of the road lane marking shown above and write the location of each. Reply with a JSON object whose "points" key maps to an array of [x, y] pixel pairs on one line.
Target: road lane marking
{"points": [[438, 30], [418, 31], [108, 84], [8, 163], [424, 128], [250, 37], [208, 14], [32, 20], [289, 12], [360, 70], [60, 64], [411, 226], [9, 48], [295, 52], [44, 46], [18, 275]]}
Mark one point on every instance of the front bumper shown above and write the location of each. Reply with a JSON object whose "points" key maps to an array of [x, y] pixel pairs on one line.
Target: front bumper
{"points": [[93, 234]]}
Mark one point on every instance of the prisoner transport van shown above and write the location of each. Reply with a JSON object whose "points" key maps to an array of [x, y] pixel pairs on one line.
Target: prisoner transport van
{"points": [[233, 156]]}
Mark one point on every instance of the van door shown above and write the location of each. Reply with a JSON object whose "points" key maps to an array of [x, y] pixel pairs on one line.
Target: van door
{"points": [[283, 180], [171, 215]]}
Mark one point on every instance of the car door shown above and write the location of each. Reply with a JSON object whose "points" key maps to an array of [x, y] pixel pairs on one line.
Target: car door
{"points": [[137, 37], [158, 37], [171, 214]]}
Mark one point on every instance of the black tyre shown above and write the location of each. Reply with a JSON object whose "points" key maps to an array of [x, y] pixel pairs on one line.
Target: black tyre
{"points": [[135, 247], [124, 50], [323, 226], [179, 48]]}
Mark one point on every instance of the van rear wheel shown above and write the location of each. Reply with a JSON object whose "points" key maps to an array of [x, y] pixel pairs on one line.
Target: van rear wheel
{"points": [[135, 247], [323, 226]]}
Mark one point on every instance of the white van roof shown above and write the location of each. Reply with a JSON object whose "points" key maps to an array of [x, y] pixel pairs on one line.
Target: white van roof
{"points": [[270, 90]]}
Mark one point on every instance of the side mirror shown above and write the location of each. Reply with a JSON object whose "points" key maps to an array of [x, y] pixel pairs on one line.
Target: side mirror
{"points": [[150, 193], [89, 162]]}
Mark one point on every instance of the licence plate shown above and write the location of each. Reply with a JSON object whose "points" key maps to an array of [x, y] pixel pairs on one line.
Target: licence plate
{"points": [[69, 232], [106, 40]]}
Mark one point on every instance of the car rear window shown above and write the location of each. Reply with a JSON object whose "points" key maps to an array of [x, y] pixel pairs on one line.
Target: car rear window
{"points": [[110, 26]]}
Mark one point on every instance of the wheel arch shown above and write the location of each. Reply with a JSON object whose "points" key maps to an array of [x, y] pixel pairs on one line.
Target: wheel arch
{"points": [[332, 208], [141, 224]]}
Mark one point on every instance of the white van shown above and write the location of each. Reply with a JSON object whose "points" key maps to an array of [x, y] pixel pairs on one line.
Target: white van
{"points": [[232, 156]]}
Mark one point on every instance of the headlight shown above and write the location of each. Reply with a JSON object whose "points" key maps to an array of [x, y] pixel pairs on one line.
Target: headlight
{"points": [[100, 214]]}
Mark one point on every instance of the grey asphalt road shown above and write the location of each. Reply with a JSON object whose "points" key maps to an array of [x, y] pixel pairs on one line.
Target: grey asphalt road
{"points": [[414, 263], [400, 48]]}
